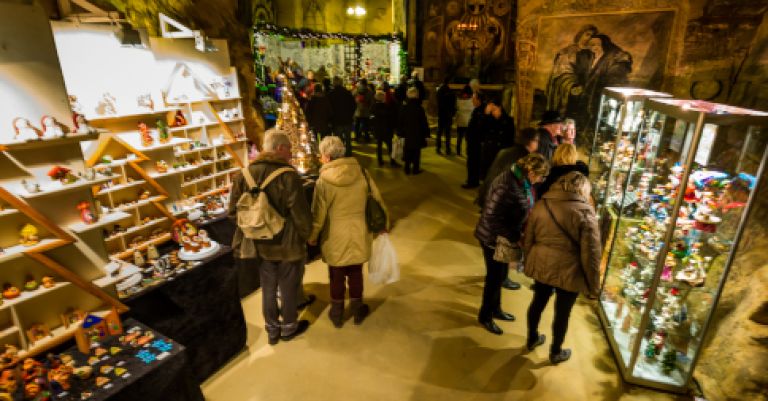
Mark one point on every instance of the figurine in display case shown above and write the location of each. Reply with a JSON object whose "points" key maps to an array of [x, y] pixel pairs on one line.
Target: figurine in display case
{"points": [[30, 284], [37, 332], [29, 235], [106, 105], [178, 119], [51, 127], [62, 174], [146, 101], [86, 214], [24, 131], [163, 135], [48, 282], [81, 124], [146, 136]]}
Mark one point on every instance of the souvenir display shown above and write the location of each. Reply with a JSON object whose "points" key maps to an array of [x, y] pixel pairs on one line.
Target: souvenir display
{"points": [[29, 235], [30, 284], [62, 174], [86, 215], [146, 137], [48, 282], [10, 292], [195, 244], [179, 120], [37, 332], [24, 131], [163, 135], [678, 219]]}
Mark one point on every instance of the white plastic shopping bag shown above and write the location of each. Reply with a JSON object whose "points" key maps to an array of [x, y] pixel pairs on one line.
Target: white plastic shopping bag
{"points": [[398, 146], [383, 267]]}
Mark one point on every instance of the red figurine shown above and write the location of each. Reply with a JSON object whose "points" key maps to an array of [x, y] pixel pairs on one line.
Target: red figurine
{"points": [[86, 215], [179, 120], [146, 137]]}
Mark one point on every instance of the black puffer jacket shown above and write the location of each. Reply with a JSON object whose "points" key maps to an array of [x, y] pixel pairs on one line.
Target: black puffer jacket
{"points": [[413, 125], [506, 208]]}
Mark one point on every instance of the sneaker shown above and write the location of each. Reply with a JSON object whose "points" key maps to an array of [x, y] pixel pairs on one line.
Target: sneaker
{"points": [[540, 340], [563, 356], [301, 327]]}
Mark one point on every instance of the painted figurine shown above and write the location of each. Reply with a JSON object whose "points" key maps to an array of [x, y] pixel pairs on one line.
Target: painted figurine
{"points": [[51, 127], [146, 136], [152, 253], [163, 135], [81, 124], [62, 174], [86, 215], [48, 282], [161, 166], [30, 284], [179, 120], [138, 259], [24, 131], [29, 235]]}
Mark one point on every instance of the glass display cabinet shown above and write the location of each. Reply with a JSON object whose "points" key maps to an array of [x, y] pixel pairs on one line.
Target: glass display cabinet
{"points": [[621, 113], [691, 181]]}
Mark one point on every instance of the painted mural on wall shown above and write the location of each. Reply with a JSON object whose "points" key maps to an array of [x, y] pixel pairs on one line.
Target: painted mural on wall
{"points": [[467, 38], [580, 55]]}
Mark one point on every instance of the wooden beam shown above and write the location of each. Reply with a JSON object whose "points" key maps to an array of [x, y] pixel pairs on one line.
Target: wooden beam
{"points": [[151, 181], [36, 216], [229, 133]]}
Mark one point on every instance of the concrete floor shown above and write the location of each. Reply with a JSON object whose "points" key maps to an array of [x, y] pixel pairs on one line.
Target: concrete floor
{"points": [[422, 340]]}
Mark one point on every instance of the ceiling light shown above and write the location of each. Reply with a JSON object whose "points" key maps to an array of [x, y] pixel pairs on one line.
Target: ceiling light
{"points": [[356, 11]]}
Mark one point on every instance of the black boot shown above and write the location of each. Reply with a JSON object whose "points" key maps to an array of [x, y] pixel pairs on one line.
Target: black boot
{"points": [[359, 310], [336, 314]]}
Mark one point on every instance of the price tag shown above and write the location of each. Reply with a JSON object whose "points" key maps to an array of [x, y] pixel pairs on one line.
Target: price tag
{"points": [[163, 356], [108, 386], [125, 376]]}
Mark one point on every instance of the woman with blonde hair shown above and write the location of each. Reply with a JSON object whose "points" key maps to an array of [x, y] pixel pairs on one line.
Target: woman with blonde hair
{"points": [[562, 255], [338, 223], [564, 160]]}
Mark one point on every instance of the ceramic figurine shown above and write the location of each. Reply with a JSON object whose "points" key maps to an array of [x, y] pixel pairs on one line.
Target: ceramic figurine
{"points": [[205, 241], [48, 282], [24, 131], [146, 136], [146, 101], [86, 215], [179, 120], [31, 391], [152, 253], [29, 235], [144, 195], [80, 123], [60, 378], [106, 105], [161, 166], [30, 186], [51, 127], [138, 259], [10, 356], [37, 332], [62, 174], [186, 243], [163, 135], [30, 284], [83, 372]]}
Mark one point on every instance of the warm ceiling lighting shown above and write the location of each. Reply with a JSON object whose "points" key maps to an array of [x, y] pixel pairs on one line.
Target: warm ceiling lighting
{"points": [[357, 11]]}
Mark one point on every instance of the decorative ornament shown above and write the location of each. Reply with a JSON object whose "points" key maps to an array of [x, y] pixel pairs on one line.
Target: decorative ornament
{"points": [[146, 101], [24, 131], [146, 137], [62, 174], [51, 127], [179, 120], [162, 132], [29, 235], [86, 215]]}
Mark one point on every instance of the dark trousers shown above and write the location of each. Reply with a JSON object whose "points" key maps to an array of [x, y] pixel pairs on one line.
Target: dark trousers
{"points": [[379, 148], [461, 132], [343, 277], [362, 129], [444, 127], [473, 163], [287, 277], [495, 273], [343, 132], [412, 159], [563, 304]]}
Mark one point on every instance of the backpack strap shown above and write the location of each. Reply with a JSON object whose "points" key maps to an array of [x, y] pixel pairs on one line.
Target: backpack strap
{"points": [[252, 182]]}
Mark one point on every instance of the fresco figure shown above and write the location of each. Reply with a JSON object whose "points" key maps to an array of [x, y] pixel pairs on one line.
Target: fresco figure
{"points": [[563, 82]]}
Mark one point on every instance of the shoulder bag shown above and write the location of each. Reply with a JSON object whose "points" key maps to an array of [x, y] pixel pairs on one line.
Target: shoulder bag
{"points": [[375, 217], [573, 242]]}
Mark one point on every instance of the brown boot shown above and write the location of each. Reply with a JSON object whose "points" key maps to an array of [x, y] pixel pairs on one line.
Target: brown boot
{"points": [[359, 310], [336, 314]]}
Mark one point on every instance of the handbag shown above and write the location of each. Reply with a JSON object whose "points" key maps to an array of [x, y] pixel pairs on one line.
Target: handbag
{"points": [[573, 242], [375, 216], [505, 252]]}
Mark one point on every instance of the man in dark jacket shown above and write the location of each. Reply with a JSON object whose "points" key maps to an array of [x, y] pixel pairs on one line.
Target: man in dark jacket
{"points": [[474, 142], [343, 105], [401, 89], [552, 122], [383, 122], [446, 109], [498, 132], [319, 113], [416, 83], [413, 126], [280, 261]]}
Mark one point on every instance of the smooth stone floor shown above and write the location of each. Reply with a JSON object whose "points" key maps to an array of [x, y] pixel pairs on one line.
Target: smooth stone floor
{"points": [[422, 340]]}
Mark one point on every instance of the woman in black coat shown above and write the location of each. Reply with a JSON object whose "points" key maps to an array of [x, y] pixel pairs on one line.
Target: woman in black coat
{"points": [[319, 113], [564, 160], [383, 121], [510, 199], [413, 126]]}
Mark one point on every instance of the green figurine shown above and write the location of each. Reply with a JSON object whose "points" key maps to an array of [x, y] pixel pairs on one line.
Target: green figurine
{"points": [[650, 349], [162, 132], [668, 361]]}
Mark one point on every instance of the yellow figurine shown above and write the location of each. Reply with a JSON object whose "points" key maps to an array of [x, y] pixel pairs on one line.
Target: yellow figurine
{"points": [[29, 235]]}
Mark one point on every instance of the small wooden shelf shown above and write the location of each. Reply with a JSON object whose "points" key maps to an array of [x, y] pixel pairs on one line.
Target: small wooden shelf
{"points": [[27, 295], [130, 139], [77, 185], [137, 114], [121, 187], [58, 336], [17, 250], [190, 151], [198, 180], [105, 220], [114, 163], [211, 192], [156, 241], [9, 331], [52, 141], [228, 171], [172, 171], [8, 212], [139, 204], [108, 280], [135, 229]]}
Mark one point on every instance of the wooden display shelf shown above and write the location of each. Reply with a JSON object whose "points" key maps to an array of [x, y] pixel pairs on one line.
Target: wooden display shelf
{"points": [[174, 141], [138, 114], [157, 241], [52, 142], [211, 192], [27, 295], [135, 229], [17, 250], [230, 143], [190, 151], [198, 180], [173, 171], [105, 220], [58, 336], [141, 203], [228, 171], [13, 330], [77, 185], [115, 163], [121, 187], [8, 212], [203, 100]]}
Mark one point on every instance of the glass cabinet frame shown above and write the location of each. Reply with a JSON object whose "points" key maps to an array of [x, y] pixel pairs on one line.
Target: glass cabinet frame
{"points": [[670, 253]]}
